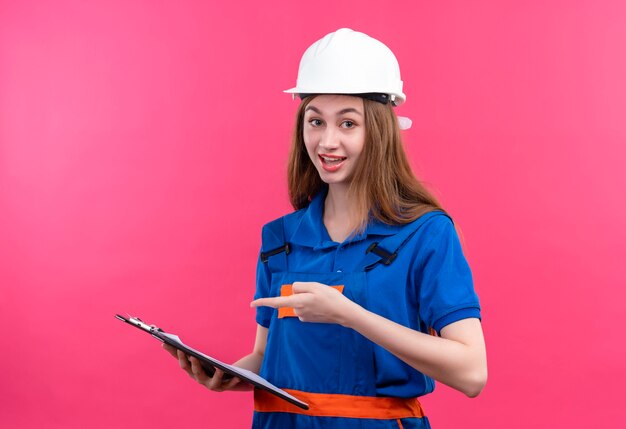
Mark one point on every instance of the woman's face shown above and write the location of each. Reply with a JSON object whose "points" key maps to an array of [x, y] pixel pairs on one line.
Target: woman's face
{"points": [[334, 135]]}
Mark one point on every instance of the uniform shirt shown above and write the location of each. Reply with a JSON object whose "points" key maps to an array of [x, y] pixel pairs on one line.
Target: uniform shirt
{"points": [[428, 286]]}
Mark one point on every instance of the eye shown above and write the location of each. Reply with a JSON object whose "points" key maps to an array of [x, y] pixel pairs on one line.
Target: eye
{"points": [[348, 124], [315, 122]]}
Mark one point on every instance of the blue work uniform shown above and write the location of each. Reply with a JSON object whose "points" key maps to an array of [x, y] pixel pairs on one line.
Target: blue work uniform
{"points": [[414, 274]]}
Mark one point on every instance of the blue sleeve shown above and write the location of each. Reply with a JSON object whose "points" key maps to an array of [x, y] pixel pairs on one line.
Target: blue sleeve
{"points": [[446, 288], [263, 283]]}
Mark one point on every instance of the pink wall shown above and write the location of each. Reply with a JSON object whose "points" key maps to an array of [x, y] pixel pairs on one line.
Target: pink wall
{"points": [[143, 144]]}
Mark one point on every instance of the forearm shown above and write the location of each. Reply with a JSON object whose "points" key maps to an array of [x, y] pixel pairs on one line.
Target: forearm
{"points": [[254, 360], [251, 362], [461, 366]]}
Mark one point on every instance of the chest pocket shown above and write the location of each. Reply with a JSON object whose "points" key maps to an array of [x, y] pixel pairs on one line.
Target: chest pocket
{"points": [[320, 357], [316, 357]]}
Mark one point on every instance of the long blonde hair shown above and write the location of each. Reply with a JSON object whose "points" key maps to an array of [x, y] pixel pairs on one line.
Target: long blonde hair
{"points": [[383, 185]]}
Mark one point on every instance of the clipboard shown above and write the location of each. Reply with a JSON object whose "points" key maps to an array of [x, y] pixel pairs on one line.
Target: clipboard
{"points": [[209, 363]]}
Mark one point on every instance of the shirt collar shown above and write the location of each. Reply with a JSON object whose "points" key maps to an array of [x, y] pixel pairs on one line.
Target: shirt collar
{"points": [[311, 232]]}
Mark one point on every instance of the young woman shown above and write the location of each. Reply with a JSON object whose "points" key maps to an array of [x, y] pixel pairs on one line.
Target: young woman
{"points": [[363, 293]]}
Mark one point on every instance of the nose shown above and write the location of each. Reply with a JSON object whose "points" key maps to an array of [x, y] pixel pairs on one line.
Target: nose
{"points": [[330, 139]]}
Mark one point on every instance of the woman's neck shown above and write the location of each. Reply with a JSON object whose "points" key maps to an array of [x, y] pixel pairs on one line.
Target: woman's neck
{"points": [[338, 213]]}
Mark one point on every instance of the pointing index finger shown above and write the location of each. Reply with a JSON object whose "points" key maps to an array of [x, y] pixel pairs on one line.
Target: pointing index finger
{"points": [[277, 302]]}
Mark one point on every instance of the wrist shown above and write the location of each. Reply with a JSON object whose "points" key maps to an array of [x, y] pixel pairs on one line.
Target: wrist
{"points": [[351, 314]]}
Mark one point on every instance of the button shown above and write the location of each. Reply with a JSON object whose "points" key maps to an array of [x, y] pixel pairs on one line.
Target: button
{"points": [[339, 271]]}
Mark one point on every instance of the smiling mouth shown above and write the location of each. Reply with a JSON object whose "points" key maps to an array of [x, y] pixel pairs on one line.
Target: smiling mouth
{"points": [[332, 160]]}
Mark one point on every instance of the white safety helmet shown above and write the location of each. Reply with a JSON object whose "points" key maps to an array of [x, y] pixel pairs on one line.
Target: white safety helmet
{"points": [[349, 62]]}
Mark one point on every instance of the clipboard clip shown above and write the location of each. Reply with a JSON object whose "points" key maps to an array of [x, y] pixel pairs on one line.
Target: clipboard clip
{"points": [[140, 323]]}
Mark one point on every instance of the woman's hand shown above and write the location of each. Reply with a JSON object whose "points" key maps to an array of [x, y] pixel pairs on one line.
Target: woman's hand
{"points": [[217, 383], [313, 302]]}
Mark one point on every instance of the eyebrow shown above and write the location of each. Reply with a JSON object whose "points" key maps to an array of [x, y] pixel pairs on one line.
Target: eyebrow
{"points": [[339, 113]]}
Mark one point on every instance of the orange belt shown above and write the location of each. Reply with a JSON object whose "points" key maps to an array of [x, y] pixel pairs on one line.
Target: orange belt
{"points": [[333, 405]]}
